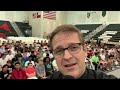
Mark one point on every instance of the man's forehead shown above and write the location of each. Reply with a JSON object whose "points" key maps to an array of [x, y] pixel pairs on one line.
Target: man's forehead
{"points": [[62, 37]]}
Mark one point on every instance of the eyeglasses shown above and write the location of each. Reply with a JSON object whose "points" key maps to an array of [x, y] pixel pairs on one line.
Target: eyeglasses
{"points": [[73, 48]]}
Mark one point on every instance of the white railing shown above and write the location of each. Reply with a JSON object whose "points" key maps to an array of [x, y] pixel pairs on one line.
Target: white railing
{"points": [[94, 32]]}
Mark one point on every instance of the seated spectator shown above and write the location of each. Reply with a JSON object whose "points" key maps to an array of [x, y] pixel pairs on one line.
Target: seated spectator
{"points": [[22, 63], [46, 54], [2, 49], [48, 67], [17, 55], [4, 74], [95, 60], [18, 72], [3, 60], [30, 71], [0, 55], [40, 69], [29, 61], [25, 58], [10, 66], [40, 51], [37, 57], [33, 55], [10, 56], [55, 65], [103, 62]]}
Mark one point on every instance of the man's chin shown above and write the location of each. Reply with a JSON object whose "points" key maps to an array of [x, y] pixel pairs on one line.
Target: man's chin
{"points": [[74, 74]]}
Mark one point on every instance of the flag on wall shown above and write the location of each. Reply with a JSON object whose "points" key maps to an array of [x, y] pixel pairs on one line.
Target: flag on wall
{"points": [[36, 15], [49, 15]]}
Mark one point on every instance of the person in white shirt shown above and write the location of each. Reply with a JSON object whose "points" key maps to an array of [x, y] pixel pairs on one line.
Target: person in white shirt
{"points": [[2, 49], [102, 55], [3, 60], [29, 61], [103, 61], [10, 56], [55, 65], [47, 54], [11, 48]]}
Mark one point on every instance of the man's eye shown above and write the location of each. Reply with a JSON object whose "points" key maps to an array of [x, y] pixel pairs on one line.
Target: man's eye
{"points": [[58, 51], [73, 48]]}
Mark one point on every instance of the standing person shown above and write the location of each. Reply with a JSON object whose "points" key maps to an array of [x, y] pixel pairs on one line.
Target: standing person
{"points": [[69, 49]]}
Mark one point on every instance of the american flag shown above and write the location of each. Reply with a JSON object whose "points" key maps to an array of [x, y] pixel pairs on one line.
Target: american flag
{"points": [[49, 14]]}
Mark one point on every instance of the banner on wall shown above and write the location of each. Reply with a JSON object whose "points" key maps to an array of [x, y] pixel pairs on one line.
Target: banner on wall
{"points": [[5, 27]]}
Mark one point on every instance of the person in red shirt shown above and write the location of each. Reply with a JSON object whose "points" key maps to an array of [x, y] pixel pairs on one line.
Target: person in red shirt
{"points": [[30, 71], [18, 72]]}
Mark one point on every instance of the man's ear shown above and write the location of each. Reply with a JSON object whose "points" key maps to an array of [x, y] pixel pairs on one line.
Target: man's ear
{"points": [[85, 49]]}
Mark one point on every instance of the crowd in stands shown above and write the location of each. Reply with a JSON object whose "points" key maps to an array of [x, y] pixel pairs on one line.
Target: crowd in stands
{"points": [[19, 60], [102, 56]]}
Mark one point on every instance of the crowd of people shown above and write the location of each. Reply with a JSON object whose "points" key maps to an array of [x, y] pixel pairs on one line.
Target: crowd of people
{"points": [[19, 60], [103, 57], [66, 53]]}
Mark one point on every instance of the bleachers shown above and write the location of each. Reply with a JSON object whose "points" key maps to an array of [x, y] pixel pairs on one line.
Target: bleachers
{"points": [[87, 28], [115, 37]]}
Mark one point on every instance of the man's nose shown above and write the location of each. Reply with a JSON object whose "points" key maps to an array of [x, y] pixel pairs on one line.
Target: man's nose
{"points": [[67, 55]]}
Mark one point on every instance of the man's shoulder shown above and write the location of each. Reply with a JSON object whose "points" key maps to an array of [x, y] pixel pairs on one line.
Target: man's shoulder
{"points": [[55, 75], [92, 74], [88, 74]]}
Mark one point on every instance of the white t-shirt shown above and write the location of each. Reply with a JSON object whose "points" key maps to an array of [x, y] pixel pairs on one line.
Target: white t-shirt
{"points": [[3, 62], [28, 54], [102, 56], [10, 57], [26, 64], [44, 55], [54, 64]]}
